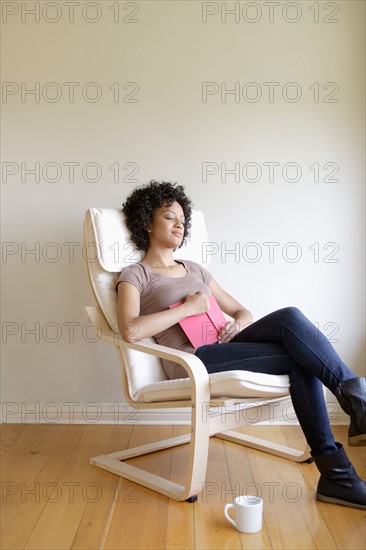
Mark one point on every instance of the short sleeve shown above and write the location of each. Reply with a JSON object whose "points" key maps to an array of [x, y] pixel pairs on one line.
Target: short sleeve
{"points": [[133, 274], [204, 275]]}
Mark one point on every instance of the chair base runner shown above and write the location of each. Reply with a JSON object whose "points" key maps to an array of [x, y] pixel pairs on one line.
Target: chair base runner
{"points": [[114, 463], [263, 445]]}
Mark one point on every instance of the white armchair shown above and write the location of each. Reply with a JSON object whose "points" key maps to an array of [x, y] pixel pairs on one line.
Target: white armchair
{"points": [[219, 403]]}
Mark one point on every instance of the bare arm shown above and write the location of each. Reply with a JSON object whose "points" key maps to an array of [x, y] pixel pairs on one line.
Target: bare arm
{"points": [[242, 317], [134, 326]]}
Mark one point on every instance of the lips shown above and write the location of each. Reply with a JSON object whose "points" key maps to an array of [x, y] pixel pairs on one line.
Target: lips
{"points": [[177, 233]]}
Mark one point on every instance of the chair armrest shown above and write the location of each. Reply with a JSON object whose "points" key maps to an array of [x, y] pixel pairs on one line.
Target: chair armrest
{"points": [[192, 364]]}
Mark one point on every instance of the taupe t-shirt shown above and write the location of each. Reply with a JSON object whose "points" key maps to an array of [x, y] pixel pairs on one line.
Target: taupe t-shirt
{"points": [[157, 292]]}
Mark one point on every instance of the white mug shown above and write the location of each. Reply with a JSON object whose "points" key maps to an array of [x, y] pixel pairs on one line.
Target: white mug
{"points": [[248, 513]]}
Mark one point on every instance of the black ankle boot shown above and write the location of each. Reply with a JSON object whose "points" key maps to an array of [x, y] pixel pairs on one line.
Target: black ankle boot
{"points": [[339, 482], [352, 398]]}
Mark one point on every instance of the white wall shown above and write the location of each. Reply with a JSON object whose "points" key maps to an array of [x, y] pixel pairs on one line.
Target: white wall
{"points": [[162, 126]]}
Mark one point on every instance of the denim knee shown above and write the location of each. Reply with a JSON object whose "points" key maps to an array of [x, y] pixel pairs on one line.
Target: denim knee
{"points": [[292, 313]]}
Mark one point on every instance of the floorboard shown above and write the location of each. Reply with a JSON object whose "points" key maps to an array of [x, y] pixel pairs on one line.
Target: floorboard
{"points": [[53, 498]]}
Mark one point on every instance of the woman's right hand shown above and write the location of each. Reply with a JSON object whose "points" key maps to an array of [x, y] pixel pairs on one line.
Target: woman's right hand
{"points": [[197, 303]]}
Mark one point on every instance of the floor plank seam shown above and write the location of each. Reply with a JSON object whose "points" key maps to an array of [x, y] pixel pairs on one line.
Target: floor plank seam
{"points": [[110, 516]]}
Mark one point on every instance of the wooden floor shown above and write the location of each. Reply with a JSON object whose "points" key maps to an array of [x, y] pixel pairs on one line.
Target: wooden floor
{"points": [[52, 498]]}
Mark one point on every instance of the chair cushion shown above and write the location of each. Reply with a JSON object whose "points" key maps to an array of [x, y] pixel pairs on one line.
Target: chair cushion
{"points": [[237, 383], [103, 282], [148, 383], [114, 247], [143, 369]]}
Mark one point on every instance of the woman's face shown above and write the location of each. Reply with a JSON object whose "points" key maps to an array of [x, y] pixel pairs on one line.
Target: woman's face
{"points": [[167, 227]]}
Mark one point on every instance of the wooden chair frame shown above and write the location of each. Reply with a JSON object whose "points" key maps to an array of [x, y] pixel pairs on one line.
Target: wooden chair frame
{"points": [[209, 418]]}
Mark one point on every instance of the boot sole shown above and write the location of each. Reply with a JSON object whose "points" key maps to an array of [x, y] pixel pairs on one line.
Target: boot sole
{"points": [[358, 440], [332, 500]]}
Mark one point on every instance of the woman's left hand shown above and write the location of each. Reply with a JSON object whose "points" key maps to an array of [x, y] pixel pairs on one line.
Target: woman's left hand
{"points": [[229, 330]]}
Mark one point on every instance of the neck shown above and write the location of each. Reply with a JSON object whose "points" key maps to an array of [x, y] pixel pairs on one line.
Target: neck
{"points": [[158, 257]]}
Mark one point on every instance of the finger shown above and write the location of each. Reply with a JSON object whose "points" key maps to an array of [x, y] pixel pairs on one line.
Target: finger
{"points": [[228, 333], [222, 335], [227, 337]]}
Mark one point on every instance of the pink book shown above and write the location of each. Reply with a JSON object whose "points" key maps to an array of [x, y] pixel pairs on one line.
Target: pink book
{"points": [[204, 328]]}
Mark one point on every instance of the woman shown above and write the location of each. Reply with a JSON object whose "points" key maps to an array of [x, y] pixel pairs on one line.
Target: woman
{"points": [[284, 342]]}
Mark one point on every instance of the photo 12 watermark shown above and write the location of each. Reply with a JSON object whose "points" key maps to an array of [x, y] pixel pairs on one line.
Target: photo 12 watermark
{"points": [[269, 92], [53, 252], [270, 252], [271, 491], [53, 332], [70, 412], [28, 12], [245, 12], [250, 413], [90, 492], [69, 171], [269, 171], [69, 92]]}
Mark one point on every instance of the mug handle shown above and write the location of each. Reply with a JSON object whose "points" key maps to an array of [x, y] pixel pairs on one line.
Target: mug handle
{"points": [[226, 509]]}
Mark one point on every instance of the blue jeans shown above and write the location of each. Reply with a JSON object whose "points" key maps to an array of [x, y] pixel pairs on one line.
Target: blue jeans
{"points": [[286, 342]]}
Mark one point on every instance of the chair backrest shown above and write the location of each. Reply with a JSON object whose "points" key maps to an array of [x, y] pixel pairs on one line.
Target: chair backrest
{"points": [[107, 250]]}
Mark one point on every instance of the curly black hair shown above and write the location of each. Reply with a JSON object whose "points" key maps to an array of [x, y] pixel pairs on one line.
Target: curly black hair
{"points": [[140, 206]]}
